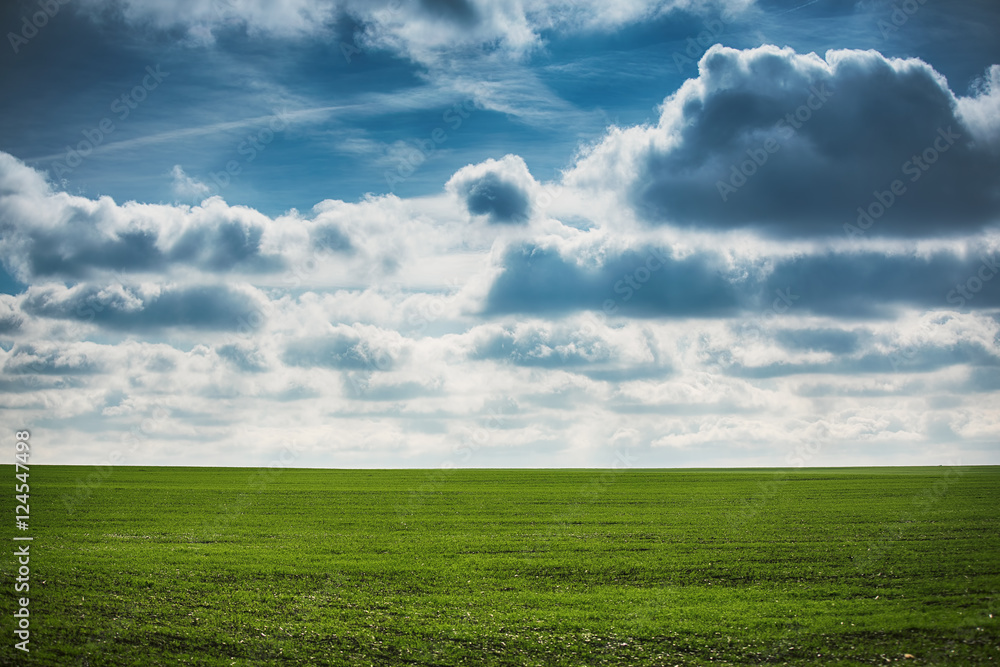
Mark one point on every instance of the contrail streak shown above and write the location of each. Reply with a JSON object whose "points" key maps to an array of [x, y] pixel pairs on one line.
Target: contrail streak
{"points": [[197, 131]]}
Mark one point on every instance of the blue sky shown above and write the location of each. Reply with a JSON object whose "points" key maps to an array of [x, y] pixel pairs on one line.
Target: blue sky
{"points": [[468, 233]]}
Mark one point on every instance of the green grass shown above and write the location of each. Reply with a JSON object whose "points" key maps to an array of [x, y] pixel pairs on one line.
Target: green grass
{"points": [[205, 566]]}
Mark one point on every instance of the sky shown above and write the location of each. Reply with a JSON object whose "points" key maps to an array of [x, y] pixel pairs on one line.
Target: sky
{"points": [[507, 233]]}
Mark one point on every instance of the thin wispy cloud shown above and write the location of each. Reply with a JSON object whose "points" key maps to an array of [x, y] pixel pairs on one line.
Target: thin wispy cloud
{"points": [[282, 116]]}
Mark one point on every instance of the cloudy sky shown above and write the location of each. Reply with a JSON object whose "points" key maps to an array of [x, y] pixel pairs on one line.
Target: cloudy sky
{"points": [[475, 233]]}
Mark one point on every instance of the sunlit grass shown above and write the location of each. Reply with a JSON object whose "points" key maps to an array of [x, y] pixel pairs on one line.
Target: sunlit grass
{"points": [[514, 567]]}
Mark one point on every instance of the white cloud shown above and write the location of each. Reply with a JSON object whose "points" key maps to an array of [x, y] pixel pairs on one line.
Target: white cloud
{"points": [[981, 110], [420, 30], [186, 188], [284, 18]]}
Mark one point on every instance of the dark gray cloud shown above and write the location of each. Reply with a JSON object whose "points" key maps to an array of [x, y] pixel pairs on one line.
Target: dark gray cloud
{"points": [[215, 307], [224, 246], [77, 252], [638, 283], [10, 323], [501, 190], [649, 283], [986, 379], [794, 145], [862, 284], [459, 11], [501, 200]]}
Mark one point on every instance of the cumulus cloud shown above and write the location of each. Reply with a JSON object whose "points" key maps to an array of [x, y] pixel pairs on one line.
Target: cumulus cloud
{"points": [[10, 320], [49, 358], [501, 189], [910, 360], [343, 347], [886, 355], [981, 110], [186, 188], [51, 234], [146, 306], [243, 356], [537, 346], [794, 144], [232, 238], [646, 281], [862, 284], [569, 344], [914, 342]]}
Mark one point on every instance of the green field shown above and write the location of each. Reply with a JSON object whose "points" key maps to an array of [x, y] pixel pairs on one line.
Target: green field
{"points": [[237, 566]]}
